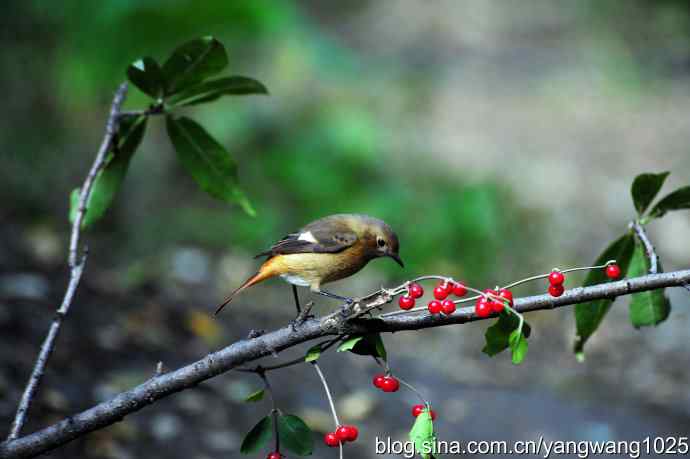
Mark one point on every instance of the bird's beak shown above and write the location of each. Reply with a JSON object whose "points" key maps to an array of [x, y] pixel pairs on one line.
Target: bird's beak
{"points": [[397, 259]]}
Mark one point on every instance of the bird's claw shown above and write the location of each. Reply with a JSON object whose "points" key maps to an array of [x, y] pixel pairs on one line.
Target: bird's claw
{"points": [[303, 316]]}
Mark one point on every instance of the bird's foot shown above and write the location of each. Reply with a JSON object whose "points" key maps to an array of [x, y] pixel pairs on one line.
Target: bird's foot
{"points": [[303, 316]]}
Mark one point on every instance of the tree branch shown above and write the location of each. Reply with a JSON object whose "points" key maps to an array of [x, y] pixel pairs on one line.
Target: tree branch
{"points": [[244, 351], [76, 266], [648, 246]]}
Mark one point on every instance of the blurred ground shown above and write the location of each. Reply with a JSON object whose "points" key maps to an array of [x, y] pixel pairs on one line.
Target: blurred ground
{"points": [[498, 138]]}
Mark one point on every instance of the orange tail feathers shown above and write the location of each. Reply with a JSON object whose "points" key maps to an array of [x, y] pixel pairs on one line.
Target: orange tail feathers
{"points": [[262, 275]]}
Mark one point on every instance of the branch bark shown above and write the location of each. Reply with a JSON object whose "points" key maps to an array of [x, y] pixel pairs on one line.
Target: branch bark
{"points": [[76, 266], [244, 351]]}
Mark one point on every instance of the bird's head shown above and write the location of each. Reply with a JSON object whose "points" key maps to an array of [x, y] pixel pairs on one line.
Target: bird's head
{"points": [[381, 240]]}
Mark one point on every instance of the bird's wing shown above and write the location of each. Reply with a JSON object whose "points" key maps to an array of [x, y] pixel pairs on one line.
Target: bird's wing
{"points": [[318, 240]]}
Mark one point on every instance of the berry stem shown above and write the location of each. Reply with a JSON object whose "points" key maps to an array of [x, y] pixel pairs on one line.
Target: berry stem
{"points": [[328, 393]]}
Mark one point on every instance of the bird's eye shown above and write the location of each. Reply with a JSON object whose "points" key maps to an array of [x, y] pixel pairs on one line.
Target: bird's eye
{"points": [[380, 242]]}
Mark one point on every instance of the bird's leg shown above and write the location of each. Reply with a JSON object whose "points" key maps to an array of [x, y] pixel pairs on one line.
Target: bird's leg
{"points": [[302, 314], [346, 307], [347, 300], [296, 295]]}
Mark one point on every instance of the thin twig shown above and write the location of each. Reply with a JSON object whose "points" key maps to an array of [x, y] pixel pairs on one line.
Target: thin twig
{"points": [[328, 393], [245, 351], [648, 246], [274, 410], [76, 266]]}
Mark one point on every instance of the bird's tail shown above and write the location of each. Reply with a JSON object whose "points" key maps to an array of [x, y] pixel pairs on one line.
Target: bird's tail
{"points": [[263, 274]]}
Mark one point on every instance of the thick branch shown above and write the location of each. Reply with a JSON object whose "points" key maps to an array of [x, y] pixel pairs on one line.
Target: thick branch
{"points": [[76, 266], [244, 351]]}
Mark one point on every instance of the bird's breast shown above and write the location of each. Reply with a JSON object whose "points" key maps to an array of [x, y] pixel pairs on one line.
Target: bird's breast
{"points": [[314, 269]]}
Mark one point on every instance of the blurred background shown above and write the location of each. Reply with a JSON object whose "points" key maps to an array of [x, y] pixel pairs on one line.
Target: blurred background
{"points": [[498, 138]]}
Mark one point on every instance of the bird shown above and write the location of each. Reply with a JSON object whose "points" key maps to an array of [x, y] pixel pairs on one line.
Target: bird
{"points": [[325, 250]]}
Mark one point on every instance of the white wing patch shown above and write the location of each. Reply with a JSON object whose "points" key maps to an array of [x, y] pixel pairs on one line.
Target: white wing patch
{"points": [[307, 236], [295, 280]]}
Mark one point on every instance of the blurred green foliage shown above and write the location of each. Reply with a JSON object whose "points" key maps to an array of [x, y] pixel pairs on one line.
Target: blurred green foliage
{"points": [[314, 147]]}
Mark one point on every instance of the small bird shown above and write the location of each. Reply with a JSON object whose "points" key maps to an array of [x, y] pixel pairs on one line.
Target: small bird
{"points": [[326, 250]]}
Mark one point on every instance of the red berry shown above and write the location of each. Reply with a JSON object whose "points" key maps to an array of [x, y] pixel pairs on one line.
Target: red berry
{"points": [[342, 433], [435, 306], [331, 439], [378, 380], [406, 302], [483, 307], [613, 271], [352, 433], [497, 306], [417, 410], [556, 278], [274, 455], [390, 384], [433, 415], [448, 307], [459, 289], [556, 290], [415, 291], [440, 293], [506, 294]]}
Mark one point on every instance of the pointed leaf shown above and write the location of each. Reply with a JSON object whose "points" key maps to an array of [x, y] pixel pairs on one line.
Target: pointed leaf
{"points": [[193, 62], [109, 179], [589, 315], [518, 346], [422, 434], [255, 396], [147, 75], [650, 307], [295, 435], [678, 200], [213, 89], [497, 336], [313, 353], [349, 343], [257, 437], [369, 344], [645, 188], [209, 164]]}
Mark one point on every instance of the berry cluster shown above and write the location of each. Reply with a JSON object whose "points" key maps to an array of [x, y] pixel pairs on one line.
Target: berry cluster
{"points": [[493, 301], [386, 383], [342, 434], [557, 278], [440, 304], [418, 409]]}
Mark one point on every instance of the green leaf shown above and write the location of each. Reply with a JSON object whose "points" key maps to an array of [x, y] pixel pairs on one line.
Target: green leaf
{"points": [[255, 396], [422, 434], [645, 188], [109, 179], [258, 436], [678, 200], [213, 89], [369, 344], [497, 336], [650, 307], [518, 346], [209, 164], [147, 75], [589, 315], [295, 435], [313, 353], [192, 63], [349, 343]]}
